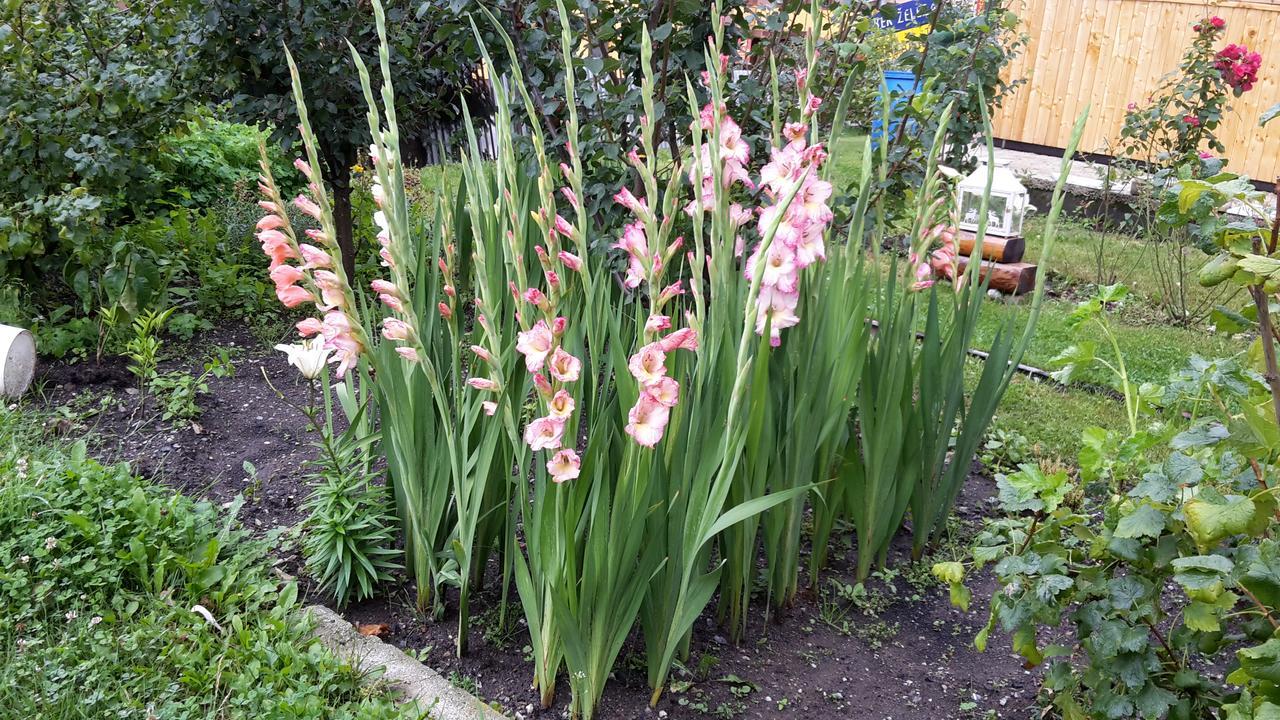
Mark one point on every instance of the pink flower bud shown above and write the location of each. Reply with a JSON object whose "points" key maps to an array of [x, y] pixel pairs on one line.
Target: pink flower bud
{"points": [[569, 195], [448, 290], [490, 407], [553, 279], [407, 353], [657, 323], [303, 167], [310, 326], [558, 326], [480, 383], [306, 205], [564, 227], [482, 353], [446, 312], [571, 261], [393, 329], [542, 384], [384, 287]]}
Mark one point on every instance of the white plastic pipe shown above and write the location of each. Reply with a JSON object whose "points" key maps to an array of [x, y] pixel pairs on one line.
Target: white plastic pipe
{"points": [[17, 360]]}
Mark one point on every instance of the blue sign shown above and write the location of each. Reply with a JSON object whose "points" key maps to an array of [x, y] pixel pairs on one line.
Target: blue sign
{"points": [[910, 14]]}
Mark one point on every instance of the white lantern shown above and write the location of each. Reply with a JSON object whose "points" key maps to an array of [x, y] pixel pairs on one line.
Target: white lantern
{"points": [[1008, 205]]}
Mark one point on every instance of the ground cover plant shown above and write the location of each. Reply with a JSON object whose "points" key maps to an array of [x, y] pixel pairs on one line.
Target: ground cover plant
{"points": [[121, 598]]}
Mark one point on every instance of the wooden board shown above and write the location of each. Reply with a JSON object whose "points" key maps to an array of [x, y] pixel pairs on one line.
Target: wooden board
{"points": [[1009, 278], [1104, 54], [999, 249]]}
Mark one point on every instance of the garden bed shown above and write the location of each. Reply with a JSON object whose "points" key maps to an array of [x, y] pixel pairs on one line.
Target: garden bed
{"points": [[896, 649]]}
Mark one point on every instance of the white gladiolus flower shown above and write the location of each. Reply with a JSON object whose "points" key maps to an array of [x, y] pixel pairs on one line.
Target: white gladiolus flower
{"points": [[309, 356]]}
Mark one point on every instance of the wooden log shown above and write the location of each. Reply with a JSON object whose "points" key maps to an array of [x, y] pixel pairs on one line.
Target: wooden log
{"points": [[1011, 278], [998, 249]]}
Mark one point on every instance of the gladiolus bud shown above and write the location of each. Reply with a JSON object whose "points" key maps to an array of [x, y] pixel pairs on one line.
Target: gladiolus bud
{"points": [[480, 383], [542, 384], [446, 312], [302, 167], [571, 261], [306, 205], [448, 290], [558, 326], [482, 353], [310, 326], [568, 193], [657, 323], [383, 287], [408, 353], [564, 227], [490, 407], [393, 329]]}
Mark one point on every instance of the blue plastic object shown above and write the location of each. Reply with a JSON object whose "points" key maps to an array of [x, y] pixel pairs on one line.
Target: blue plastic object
{"points": [[899, 85]]}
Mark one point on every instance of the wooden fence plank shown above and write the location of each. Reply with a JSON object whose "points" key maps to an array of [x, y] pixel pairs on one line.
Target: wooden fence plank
{"points": [[1108, 53]]}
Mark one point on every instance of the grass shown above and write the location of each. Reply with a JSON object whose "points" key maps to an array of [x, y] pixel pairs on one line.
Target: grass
{"points": [[120, 598]]}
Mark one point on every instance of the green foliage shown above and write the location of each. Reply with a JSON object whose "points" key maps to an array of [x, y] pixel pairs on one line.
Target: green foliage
{"points": [[349, 536], [209, 159], [105, 583], [143, 349], [90, 90], [177, 392]]}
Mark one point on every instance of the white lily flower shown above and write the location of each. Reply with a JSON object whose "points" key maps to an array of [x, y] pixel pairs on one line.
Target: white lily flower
{"points": [[309, 356]]}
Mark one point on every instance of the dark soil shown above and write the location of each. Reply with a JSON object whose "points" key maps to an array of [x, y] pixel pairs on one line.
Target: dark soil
{"points": [[905, 653]]}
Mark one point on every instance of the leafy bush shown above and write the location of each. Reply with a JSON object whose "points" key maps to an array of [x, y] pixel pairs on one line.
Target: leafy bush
{"points": [[122, 599], [90, 90], [209, 160]]}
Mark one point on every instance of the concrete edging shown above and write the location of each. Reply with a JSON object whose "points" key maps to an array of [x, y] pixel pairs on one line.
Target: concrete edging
{"points": [[414, 681]]}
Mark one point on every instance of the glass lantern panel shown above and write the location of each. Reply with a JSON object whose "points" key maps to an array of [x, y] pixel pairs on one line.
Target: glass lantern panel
{"points": [[998, 208]]}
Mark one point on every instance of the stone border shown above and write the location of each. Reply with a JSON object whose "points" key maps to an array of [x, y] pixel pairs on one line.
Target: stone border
{"points": [[414, 681]]}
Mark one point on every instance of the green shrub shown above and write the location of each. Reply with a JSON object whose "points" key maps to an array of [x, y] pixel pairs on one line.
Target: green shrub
{"points": [[209, 160]]}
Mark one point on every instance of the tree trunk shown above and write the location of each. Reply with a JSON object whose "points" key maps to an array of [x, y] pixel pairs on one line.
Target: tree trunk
{"points": [[338, 174]]}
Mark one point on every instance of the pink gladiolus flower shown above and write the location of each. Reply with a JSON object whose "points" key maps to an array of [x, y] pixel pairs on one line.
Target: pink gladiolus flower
{"points": [[558, 325], [395, 329], [647, 421], [303, 167], [292, 296], [561, 404], [384, 287], [270, 207], [738, 216], [310, 326], [480, 383], [682, 339], [446, 312], [670, 292], [331, 289], [924, 276], [564, 466], [777, 309], [314, 257], [482, 353], [657, 323], [649, 364], [306, 205], [387, 260], [571, 261], [284, 276], [407, 353], [545, 433], [665, 391], [490, 407], [535, 344], [811, 107], [318, 235], [534, 297], [270, 222], [564, 366], [795, 131], [272, 236]]}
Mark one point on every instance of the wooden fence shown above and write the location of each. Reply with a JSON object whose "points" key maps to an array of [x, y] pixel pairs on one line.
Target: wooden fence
{"points": [[1108, 53]]}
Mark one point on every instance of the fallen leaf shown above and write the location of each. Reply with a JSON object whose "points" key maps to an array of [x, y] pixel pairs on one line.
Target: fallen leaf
{"points": [[373, 629]]}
